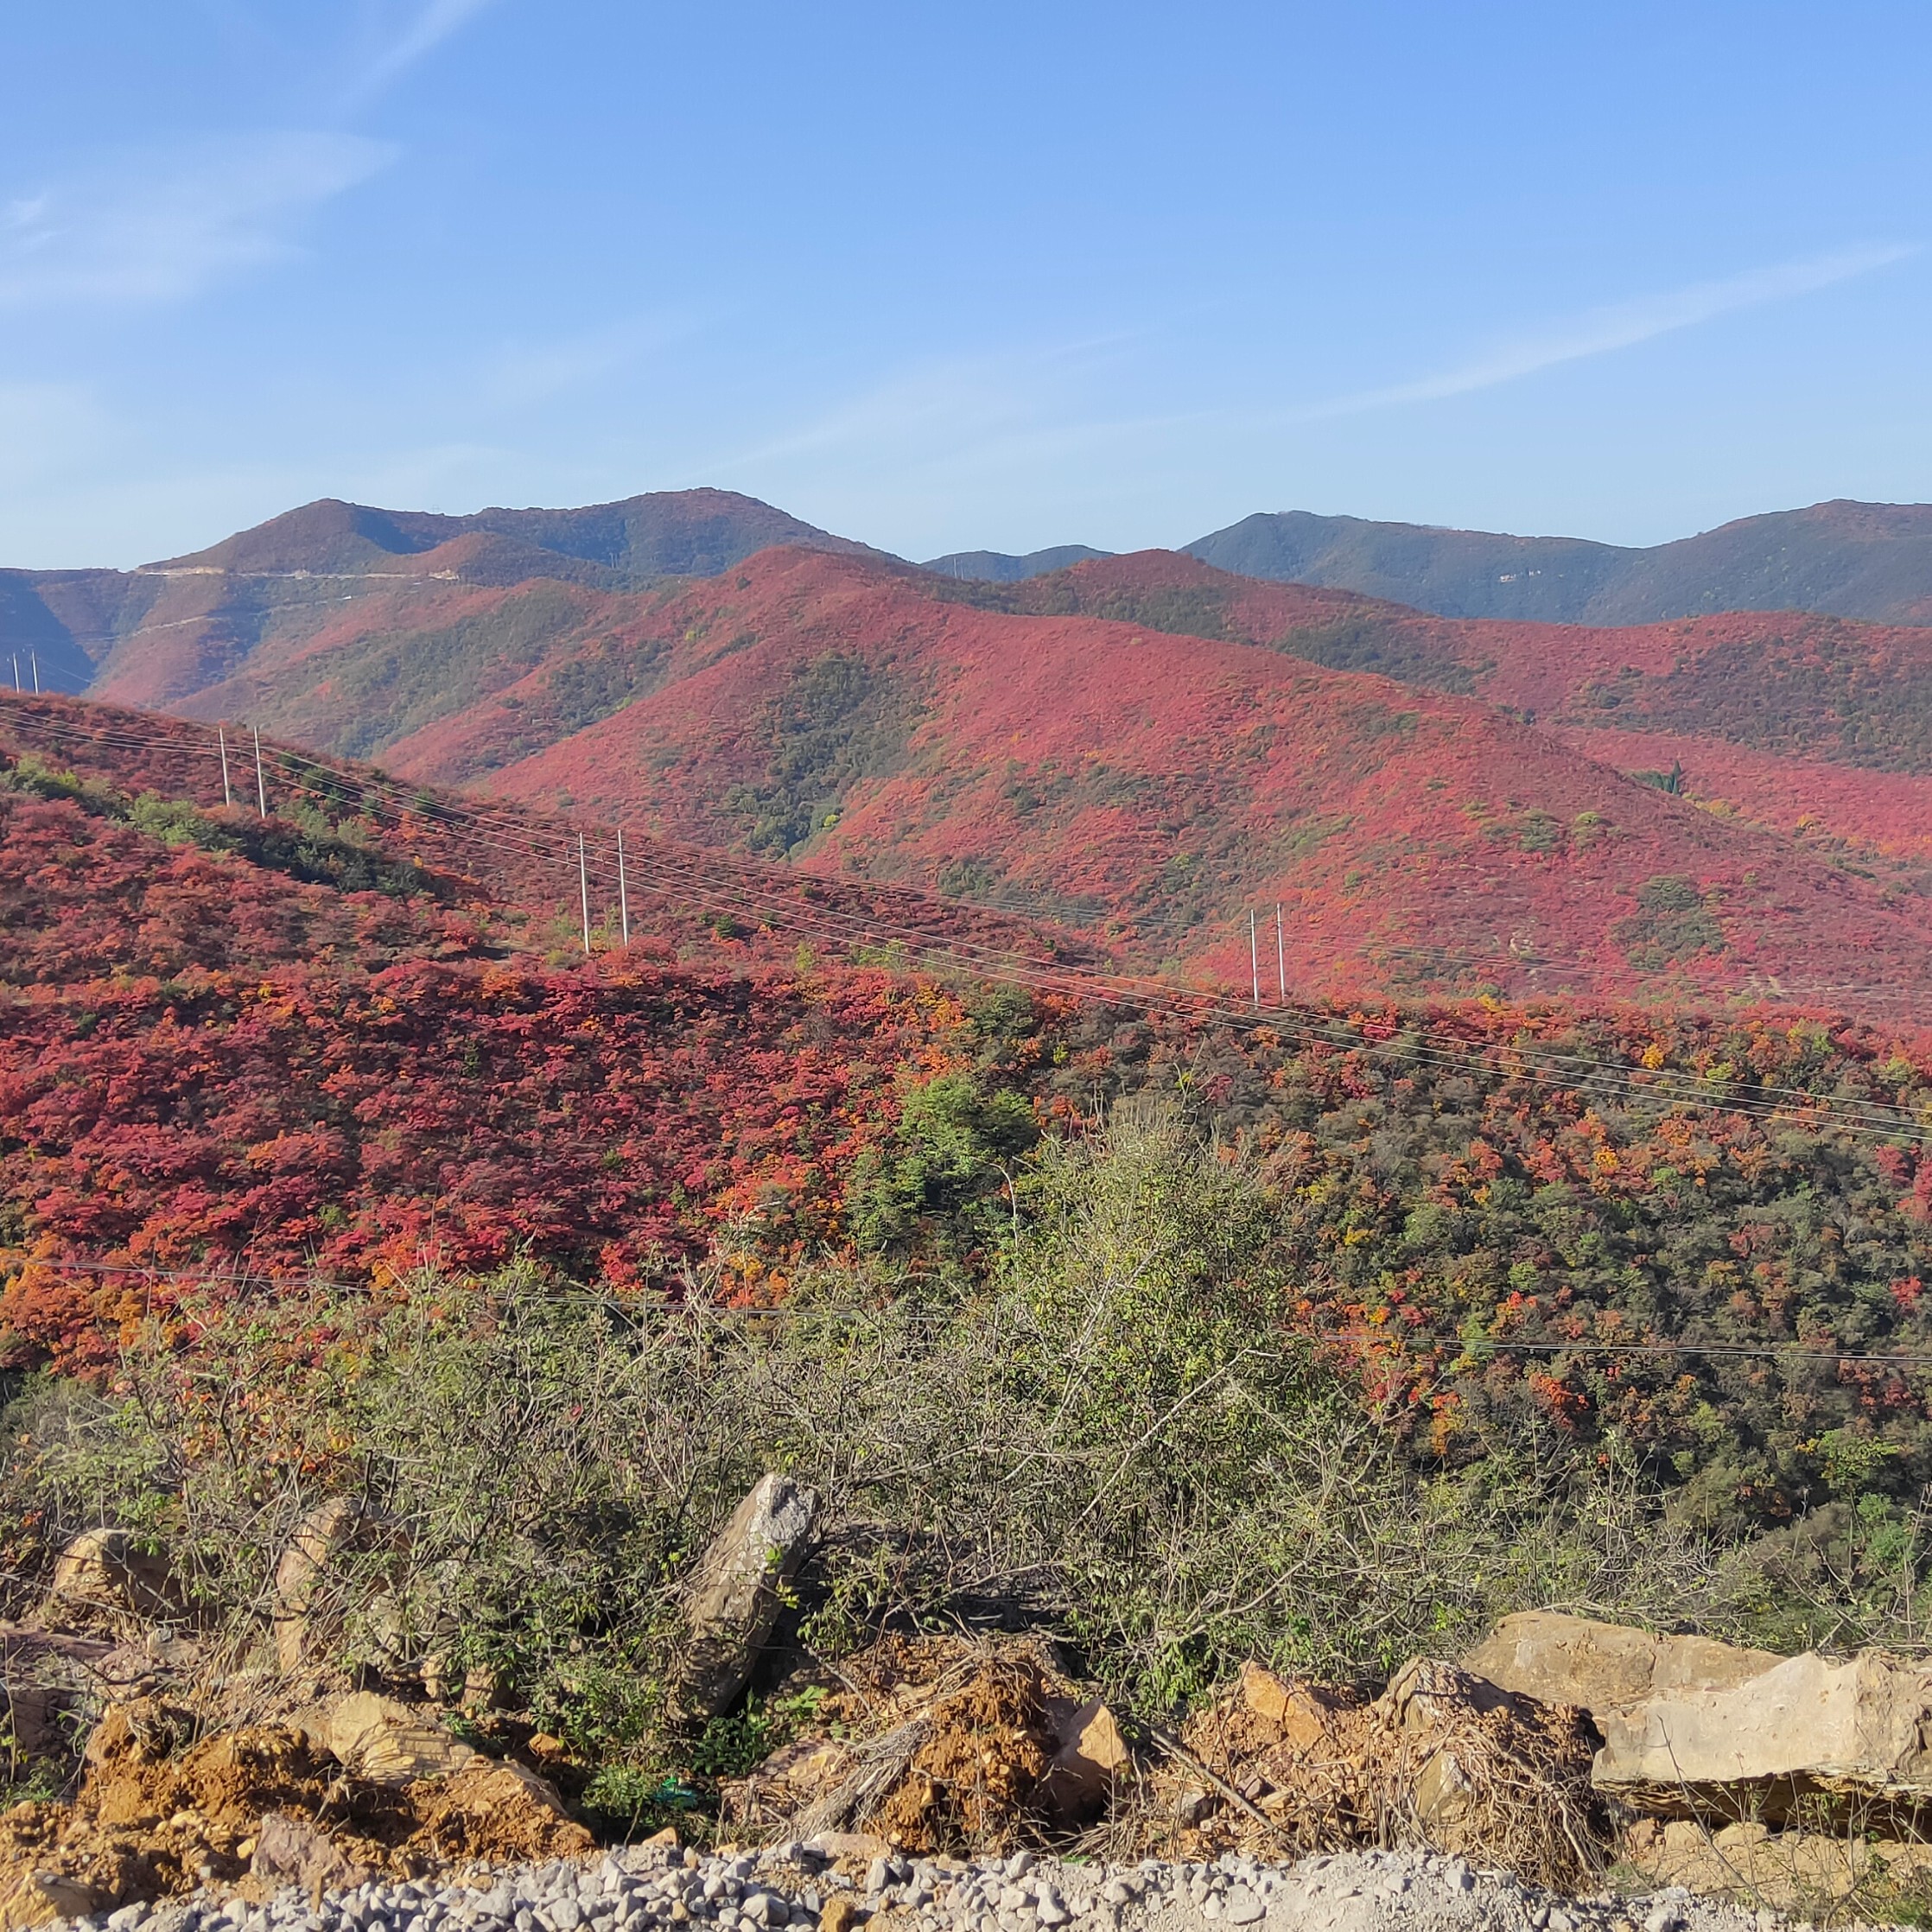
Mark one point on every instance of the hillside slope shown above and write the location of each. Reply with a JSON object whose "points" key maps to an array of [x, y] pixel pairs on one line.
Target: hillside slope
{"points": [[1810, 725], [344, 1039], [350, 1036], [752, 741], [1867, 560], [1154, 789]]}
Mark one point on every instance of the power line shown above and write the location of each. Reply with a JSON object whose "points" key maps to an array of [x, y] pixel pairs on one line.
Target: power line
{"points": [[1540, 962]]}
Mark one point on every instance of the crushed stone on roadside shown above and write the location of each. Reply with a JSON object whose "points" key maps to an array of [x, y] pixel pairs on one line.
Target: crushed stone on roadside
{"points": [[842, 1883]]}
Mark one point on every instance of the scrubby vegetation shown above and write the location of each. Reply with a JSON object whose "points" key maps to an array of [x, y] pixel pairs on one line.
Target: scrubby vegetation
{"points": [[1110, 1432]]}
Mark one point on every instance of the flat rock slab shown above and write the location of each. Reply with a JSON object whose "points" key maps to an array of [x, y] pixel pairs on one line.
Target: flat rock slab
{"points": [[1606, 1668], [1808, 1724]]}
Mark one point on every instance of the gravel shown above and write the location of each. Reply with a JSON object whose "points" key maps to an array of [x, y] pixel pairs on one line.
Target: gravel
{"points": [[643, 1888]]}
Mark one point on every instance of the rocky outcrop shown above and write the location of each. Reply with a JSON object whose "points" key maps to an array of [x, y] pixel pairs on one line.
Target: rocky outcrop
{"points": [[31, 1898], [293, 1852], [107, 1570], [1605, 1667], [1806, 1725], [1786, 1869], [306, 1617], [384, 1740], [1092, 1757], [735, 1595]]}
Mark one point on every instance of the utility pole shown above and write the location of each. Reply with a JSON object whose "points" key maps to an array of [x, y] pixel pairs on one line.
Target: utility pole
{"points": [[33, 658], [1253, 956], [583, 891], [260, 783], [16, 670], [1280, 954], [221, 742], [623, 890]]}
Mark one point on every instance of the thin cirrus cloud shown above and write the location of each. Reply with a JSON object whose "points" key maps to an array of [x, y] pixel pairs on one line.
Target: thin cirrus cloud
{"points": [[158, 229], [1620, 325], [434, 23]]}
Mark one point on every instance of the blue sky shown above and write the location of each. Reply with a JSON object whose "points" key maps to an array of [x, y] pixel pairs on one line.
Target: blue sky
{"points": [[942, 276]]}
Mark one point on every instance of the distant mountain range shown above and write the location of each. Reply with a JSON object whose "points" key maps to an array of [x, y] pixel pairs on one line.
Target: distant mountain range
{"points": [[190, 615], [997, 567], [1869, 559], [1144, 746], [160, 633]]}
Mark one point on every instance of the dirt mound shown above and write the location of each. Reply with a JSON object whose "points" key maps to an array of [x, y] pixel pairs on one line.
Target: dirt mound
{"points": [[935, 1744], [158, 1813], [943, 1745], [1440, 1760]]}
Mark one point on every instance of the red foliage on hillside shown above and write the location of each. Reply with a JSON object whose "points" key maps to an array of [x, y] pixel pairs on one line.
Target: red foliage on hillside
{"points": [[225, 1047], [1149, 747], [331, 1040], [1157, 785]]}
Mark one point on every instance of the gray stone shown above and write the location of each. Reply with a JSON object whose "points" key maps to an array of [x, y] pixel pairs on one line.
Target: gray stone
{"points": [[1810, 1723], [736, 1599]]}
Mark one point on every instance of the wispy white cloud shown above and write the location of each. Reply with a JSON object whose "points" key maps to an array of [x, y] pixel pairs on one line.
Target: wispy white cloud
{"points": [[1619, 326], [159, 228], [933, 411], [434, 21]]}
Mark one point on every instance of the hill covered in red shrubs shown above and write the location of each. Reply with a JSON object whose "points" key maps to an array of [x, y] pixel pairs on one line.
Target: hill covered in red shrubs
{"points": [[356, 1035], [1153, 786], [359, 1035]]}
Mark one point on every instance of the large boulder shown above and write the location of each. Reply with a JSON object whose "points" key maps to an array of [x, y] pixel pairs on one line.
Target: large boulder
{"points": [[306, 1616], [1861, 1727], [735, 1596], [1092, 1755], [1605, 1667], [293, 1851], [33, 1898]]}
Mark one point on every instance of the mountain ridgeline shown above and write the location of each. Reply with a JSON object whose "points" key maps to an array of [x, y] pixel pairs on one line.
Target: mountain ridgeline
{"points": [[1869, 560]]}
